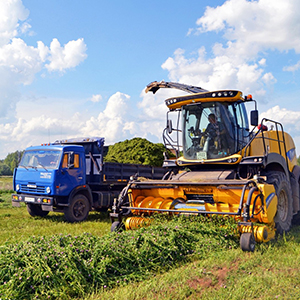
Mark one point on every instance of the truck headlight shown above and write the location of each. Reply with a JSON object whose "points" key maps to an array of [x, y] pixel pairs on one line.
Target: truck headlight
{"points": [[48, 190], [17, 187]]}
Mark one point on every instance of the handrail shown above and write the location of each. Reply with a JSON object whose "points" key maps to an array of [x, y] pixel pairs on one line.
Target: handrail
{"points": [[264, 138]]}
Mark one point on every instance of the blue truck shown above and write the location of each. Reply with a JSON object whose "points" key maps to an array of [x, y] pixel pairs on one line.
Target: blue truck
{"points": [[70, 176]]}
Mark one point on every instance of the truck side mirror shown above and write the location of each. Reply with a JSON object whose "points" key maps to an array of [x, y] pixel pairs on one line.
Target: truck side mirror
{"points": [[169, 126], [254, 117], [71, 160]]}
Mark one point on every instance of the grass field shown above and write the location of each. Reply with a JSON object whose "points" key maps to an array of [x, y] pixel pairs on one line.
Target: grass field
{"points": [[6, 183], [214, 268]]}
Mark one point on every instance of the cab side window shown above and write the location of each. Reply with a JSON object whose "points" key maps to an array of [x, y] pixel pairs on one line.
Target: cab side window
{"points": [[65, 161], [71, 161], [76, 161]]}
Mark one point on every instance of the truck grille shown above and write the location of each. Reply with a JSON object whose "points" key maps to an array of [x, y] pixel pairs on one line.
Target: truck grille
{"points": [[38, 189]]}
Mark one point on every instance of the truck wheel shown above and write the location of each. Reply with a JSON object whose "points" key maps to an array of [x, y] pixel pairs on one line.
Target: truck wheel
{"points": [[78, 209], [247, 242], [36, 210], [117, 226], [284, 215]]}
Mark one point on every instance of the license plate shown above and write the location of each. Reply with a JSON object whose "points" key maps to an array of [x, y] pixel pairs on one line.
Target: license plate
{"points": [[29, 199]]}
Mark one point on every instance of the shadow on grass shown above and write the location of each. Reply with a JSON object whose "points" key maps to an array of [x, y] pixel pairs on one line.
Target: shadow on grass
{"points": [[93, 217]]}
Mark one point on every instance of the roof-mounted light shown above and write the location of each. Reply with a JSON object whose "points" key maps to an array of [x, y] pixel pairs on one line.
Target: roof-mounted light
{"points": [[223, 95]]}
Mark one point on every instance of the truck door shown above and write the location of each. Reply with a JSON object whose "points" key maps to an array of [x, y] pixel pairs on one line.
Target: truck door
{"points": [[72, 173]]}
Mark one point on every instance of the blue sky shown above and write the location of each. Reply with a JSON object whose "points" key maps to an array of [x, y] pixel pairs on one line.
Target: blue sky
{"points": [[79, 68]]}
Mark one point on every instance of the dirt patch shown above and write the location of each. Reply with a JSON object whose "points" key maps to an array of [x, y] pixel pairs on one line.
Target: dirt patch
{"points": [[214, 279]]}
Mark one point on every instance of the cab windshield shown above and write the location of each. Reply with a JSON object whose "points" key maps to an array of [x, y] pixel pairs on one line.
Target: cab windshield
{"points": [[46, 159], [214, 129]]}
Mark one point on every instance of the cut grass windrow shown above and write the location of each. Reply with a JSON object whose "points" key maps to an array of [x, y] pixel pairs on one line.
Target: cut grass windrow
{"points": [[65, 266]]}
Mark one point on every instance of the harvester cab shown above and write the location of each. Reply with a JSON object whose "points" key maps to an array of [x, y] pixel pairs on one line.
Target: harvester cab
{"points": [[218, 165]]}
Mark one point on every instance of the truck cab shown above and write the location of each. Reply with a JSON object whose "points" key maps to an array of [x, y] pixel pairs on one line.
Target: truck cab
{"points": [[46, 177]]}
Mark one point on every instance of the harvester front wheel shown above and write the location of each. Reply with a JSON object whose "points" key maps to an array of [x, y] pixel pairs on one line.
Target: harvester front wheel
{"points": [[117, 226], [284, 215], [247, 242]]}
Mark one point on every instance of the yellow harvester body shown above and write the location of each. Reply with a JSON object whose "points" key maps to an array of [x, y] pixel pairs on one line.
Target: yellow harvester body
{"points": [[221, 167]]}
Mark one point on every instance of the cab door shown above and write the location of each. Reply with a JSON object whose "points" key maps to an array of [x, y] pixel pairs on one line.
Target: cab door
{"points": [[72, 173]]}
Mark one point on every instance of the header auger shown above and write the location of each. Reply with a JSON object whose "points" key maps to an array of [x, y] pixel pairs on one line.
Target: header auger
{"points": [[219, 167]]}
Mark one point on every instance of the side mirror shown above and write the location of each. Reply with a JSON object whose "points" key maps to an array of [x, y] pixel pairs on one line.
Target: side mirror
{"points": [[169, 126], [71, 160], [254, 117]]}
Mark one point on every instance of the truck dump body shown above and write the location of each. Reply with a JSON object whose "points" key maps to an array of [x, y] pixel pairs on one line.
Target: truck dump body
{"points": [[221, 167]]}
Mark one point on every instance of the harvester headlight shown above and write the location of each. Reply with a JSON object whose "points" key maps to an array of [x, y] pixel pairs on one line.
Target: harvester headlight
{"points": [[232, 160], [48, 190], [17, 187], [213, 94]]}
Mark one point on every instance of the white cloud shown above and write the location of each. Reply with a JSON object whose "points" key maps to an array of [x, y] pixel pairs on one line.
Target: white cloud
{"points": [[219, 72], [96, 98], [285, 116], [34, 128], [12, 14], [256, 25], [20, 63], [292, 68], [249, 29], [289, 118], [69, 56]]}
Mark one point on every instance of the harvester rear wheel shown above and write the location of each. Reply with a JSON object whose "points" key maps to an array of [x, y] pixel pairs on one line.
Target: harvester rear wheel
{"points": [[117, 226], [247, 242], [284, 215]]}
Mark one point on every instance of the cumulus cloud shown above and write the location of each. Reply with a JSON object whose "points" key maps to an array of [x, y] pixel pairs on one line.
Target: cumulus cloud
{"points": [[20, 63], [249, 29], [35, 128], [289, 118], [255, 25], [218, 72], [12, 20], [66, 57]]}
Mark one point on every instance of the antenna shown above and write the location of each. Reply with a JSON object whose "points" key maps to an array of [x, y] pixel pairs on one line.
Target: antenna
{"points": [[49, 135]]}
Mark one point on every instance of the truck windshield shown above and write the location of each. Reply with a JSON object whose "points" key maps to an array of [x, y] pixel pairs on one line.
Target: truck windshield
{"points": [[214, 129], [45, 159]]}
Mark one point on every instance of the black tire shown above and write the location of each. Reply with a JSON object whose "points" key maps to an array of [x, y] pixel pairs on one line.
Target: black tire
{"points": [[296, 219], [284, 214], [36, 211], [247, 242], [78, 209], [117, 226]]}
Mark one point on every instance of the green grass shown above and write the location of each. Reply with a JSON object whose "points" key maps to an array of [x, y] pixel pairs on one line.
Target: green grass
{"points": [[6, 183], [271, 272], [214, 267]]}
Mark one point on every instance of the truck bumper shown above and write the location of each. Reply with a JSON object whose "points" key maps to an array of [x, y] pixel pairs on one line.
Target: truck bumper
{"points": [[45, 201]]}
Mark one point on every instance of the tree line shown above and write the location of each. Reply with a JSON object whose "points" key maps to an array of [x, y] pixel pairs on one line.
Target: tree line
{"points": [[8, 164]]}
